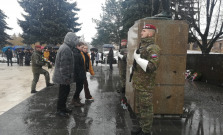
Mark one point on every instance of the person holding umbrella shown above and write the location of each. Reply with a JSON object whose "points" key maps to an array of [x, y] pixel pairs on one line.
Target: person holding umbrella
{"points": [[8, 54], [110, 58]]}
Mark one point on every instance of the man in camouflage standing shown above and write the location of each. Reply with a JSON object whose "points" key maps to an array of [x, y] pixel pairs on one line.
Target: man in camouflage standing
{"points": [[122, 57], [147, 60], [37, 63]]}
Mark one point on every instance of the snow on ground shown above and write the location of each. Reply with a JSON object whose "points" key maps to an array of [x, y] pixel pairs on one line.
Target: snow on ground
{"points": [[198, 52], [16, 84], [4, 59]]}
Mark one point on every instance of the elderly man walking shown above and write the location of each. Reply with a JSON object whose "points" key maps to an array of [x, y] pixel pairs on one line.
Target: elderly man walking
{"points": [[64, 72]]}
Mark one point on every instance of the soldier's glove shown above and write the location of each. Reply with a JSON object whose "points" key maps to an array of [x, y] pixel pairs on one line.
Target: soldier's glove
{"points": [[142, 62], [130, 70], [120, 56]]}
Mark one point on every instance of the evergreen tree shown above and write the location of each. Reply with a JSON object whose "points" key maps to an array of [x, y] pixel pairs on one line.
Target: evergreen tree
{"points": [[117, 17], [110, 25], [48, 21], [3, 26], [133, 10]]}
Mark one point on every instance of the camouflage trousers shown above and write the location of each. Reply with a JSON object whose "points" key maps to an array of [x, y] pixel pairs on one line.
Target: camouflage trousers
{"points": [[36, 78], [144, 105], [122, 72]]}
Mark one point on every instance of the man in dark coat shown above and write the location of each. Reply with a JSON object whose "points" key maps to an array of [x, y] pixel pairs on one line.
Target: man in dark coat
{"points": [[9, 56], [79, 74], [92, 57], [53, 54], [37, 63], [64, 72], [110, 58], [28, 55], [21, 55]]}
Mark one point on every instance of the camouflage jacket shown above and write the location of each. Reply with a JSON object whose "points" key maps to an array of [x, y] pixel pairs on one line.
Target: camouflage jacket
{"points": [[37, 61], [124, 51], [148, 50]]}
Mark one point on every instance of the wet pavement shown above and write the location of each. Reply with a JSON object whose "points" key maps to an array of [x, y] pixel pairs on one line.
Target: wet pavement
{"points": [[105, 115], [15, 84]]}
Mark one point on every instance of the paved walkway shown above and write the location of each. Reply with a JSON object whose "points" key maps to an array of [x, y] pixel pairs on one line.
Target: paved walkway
{"points": [[105, 116]]}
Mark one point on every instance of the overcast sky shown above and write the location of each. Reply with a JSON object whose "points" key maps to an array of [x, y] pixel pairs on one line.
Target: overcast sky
{"points": [[88, 9]]}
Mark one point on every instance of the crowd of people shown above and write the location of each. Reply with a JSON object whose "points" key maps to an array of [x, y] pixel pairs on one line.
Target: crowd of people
{"points": [[24, 55]]}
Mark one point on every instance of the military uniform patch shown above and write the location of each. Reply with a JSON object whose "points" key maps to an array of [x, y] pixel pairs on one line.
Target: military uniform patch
{"points": [[154, 56]]}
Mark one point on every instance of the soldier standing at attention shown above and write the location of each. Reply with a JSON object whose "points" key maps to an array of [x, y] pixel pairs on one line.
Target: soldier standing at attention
{"points": [[37, 63], [144, 79], [122, 57]]}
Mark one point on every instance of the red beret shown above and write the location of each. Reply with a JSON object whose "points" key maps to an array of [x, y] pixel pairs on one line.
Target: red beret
{"points": [[149, 26], [124, 40], [37, 46]]}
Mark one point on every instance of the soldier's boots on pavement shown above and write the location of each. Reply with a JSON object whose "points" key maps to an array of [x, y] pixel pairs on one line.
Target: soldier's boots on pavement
{"points": [[137, 130], [33, 91], [49, 84]]}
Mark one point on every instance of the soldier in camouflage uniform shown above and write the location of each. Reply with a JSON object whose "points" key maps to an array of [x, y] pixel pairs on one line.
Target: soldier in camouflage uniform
{"points": [[122, 57], [37, 63], [144, 78]]}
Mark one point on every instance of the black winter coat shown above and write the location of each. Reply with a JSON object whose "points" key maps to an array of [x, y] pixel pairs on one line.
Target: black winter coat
{"points": [[8, 54], [79, 70], [110, 55], [21, 54]]}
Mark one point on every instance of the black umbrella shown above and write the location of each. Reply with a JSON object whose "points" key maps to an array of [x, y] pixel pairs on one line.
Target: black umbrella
{"points": [[28, 48], [94, 49], [49, 46], [108, 46]]}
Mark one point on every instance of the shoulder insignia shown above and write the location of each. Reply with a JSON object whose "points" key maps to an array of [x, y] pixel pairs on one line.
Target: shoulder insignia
{"points": [[154, 56]]}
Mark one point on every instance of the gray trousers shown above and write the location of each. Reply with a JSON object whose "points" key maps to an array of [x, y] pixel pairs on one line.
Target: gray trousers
{"points": [[36, 78]]}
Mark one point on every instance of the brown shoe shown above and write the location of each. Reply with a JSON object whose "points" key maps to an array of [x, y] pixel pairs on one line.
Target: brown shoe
{"points": [[77, 103]]}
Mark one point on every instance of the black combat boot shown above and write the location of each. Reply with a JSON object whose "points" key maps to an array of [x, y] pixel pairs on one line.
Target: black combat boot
{"points": [[49, 84], [34, 91]]}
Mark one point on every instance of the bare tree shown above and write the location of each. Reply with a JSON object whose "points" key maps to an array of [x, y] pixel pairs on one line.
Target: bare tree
{"points": [[205, 18]]}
